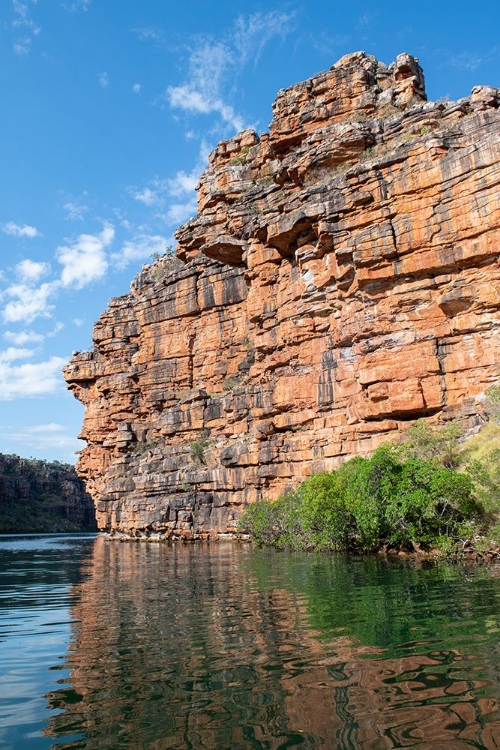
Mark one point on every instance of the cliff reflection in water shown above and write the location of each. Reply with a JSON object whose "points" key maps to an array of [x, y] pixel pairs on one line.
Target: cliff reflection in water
{"points": [[225, 646]]}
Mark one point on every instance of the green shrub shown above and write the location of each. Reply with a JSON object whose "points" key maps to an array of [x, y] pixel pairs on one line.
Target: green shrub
{"points": [[368, 504], [370, 487], [485, 477], [325, 520], [429, 502], [199, 446], [432, 443], [275, 524]]}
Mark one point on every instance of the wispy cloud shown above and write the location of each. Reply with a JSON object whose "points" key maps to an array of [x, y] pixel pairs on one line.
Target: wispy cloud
{"points": [[84, 260], [141, 247], [366, 19], [155, 36], [213, 64], [20, 230], [179, 212], [471, 61], [103, 79], [25, 24], [150, 196], [19, 338], [28, 380], [208, 65], [183, 183], [77, 5], [42, 438], [22, 46], [136, 88], [160, 192], [189, 99], [75, 210], [13, 353], [253, 33]]}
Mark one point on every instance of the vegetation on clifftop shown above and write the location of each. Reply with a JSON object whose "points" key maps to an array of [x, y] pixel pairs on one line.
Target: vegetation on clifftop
{"points": [[42, 496], [431, 491]]}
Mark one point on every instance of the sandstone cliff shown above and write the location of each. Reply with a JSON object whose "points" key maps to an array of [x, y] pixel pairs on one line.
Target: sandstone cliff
{"points": [[340, 281], [42, 496]]}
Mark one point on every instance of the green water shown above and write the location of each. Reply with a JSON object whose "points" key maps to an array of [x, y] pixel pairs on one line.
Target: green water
{"points": [[134, 645]]}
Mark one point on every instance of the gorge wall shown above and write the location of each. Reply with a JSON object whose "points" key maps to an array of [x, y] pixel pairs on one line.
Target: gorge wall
{"points": [[42, 496], [340, 281]]}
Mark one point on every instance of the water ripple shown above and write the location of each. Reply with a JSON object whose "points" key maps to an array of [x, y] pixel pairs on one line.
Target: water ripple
{"points": [[108, 645]]}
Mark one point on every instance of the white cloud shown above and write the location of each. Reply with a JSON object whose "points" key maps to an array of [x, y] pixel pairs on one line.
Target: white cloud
{"points": [[136, 88], [28, 303], [184, 183], [50, 427], [13, 353], [31, 271], [77, 5], [22, 46], [141, 247], [177, 213], [42, 438], [21, 9], [148, 196], [20, 230], [159, 192], [19, 338], [84, 261], [57, 329], [75, 210], [103, 80], [28, 380], [150, 35], [23, 337], [366, 19], [213, 65], [208, 66], [252, 33], [22, 20], [471, 60], [187, 98]]}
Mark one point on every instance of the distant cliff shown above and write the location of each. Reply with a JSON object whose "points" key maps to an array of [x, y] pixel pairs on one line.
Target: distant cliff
{"points": [[38, 496], [339, 281]]}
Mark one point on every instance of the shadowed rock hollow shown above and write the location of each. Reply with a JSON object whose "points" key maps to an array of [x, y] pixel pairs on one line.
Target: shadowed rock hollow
{"points": [[339, 281]]}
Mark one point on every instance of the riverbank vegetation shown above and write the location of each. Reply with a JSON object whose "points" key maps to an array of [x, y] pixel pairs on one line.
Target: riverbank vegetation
{"points": [[39, 496], [432, 491]]}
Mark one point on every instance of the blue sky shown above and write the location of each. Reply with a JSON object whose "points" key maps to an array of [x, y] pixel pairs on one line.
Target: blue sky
{"points": [[109, 111]]}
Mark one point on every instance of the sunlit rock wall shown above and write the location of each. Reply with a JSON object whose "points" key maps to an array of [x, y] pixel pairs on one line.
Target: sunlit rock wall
{"points": [[339, 281]]}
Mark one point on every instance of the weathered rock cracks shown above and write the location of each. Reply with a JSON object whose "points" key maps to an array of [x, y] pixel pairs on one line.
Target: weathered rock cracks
{"points": [[340, 280]]}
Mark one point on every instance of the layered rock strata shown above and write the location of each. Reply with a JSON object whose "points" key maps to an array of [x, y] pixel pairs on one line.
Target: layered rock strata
{"points": [[42, 496], [339, 281]]}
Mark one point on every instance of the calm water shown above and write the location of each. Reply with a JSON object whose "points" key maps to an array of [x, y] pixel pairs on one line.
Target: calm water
{"points": [[112, 645]]}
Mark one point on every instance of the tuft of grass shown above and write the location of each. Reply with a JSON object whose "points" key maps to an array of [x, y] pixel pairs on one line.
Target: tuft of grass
{"points": [[199, 446], [481, 446]]}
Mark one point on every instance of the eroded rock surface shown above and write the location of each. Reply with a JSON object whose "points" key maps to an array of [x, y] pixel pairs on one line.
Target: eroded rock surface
{"points": [[341, 280]]}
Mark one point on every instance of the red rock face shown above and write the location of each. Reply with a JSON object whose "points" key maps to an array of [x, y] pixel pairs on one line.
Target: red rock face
{"points": [[340, 281]]}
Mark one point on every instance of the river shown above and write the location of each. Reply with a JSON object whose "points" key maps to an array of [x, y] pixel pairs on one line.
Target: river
{"points": [[225, 646]]}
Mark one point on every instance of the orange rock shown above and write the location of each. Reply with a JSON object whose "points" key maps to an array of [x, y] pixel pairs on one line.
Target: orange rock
{"points": [[340, 281]]}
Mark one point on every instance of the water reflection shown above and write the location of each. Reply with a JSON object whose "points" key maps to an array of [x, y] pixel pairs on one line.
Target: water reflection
{"points": [[37, 578], [226, 646]]}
